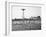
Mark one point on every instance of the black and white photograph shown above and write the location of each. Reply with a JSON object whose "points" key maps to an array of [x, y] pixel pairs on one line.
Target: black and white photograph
{"points": [[22, 18], [26, 18]]}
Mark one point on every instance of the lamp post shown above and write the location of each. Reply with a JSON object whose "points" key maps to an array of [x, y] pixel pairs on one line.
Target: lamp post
{"points": [[23, 14]]}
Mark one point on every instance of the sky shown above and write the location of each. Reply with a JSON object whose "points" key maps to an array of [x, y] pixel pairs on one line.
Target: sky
{"points": [[29, 11]]}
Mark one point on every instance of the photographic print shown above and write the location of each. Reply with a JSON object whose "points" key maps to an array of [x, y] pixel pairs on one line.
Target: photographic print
{"points": [[26, 18]]}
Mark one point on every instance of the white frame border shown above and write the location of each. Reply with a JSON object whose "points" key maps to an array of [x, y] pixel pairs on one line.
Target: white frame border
{"points": [[8, 14]]}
